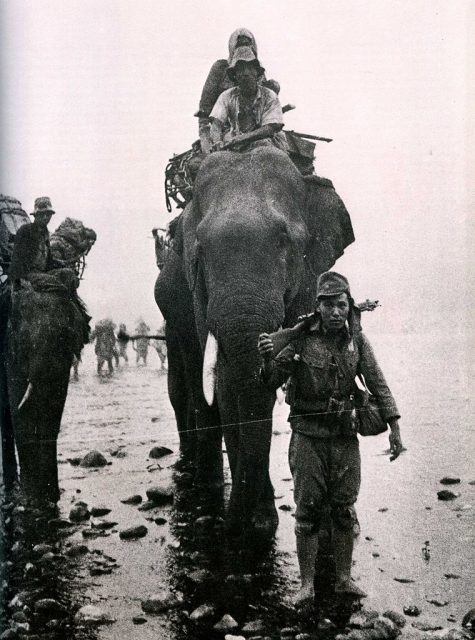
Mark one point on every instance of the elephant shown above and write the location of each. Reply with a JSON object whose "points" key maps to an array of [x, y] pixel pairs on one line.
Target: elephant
{"points": [[46, 329], [245, 260]]}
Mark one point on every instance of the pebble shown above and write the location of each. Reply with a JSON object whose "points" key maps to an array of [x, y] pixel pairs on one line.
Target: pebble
{"points": [[437, 602], [200, 576], [446, 494], [147, 506], [468, 620], [103, 525], [79, 512], [161, 601], [202, 612], [77, 550], [204, 521], [98, 512], [227, 623], [396, 617], [91, 615], [404, 580], [385, 627], [47, 558], [285, 507], [133, 532], [450, 480], [139, 620], [75, 462], [255, 626], [160, 495], [41, 549], [19, 616], [100, 571], [159, 452], [50, 607], [135, 499], [160, 520], [412, 610], [288, 632], [93, 459], [423, 625]]}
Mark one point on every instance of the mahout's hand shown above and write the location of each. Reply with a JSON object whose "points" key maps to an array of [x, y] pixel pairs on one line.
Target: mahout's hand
{"points": [[265, 346]]}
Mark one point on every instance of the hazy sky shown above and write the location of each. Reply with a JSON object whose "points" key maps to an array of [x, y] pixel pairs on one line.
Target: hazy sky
{"points": [[98, 94]]}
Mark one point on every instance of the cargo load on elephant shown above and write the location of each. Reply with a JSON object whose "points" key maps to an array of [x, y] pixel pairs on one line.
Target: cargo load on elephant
{"points": [[70, 244], [12, 217]]}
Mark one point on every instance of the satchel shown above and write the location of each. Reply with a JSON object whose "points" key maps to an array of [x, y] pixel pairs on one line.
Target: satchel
{"points": [[369, 421]]}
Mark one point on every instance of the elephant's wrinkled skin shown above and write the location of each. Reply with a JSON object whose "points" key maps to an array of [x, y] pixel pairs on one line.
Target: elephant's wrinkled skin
{"points": [[45, 330], [252, 250]]}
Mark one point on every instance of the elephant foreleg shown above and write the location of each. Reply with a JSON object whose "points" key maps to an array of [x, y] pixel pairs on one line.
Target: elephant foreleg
{"points": [[9, 464]]}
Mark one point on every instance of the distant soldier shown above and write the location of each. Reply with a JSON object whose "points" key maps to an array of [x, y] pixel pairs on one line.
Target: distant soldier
{"points": [[141, 344], [123, 340], [160, 347]]}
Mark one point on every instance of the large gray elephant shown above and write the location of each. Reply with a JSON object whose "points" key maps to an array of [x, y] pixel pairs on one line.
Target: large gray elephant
{"points": [[245, 260], [45, 330]]}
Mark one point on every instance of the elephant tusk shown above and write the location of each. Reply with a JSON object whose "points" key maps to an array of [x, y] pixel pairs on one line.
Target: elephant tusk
{"points": [[210, 361], [28, 391]]}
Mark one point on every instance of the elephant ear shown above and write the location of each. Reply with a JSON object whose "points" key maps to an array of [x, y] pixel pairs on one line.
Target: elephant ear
{"points": [[329, 224], [329, 232]]}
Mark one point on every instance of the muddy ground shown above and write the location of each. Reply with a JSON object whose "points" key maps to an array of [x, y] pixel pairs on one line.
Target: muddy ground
{"points": [[414, 549]]}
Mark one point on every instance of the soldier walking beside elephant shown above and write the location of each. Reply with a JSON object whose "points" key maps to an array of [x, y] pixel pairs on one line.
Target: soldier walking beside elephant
{"points": [[324, 457]]}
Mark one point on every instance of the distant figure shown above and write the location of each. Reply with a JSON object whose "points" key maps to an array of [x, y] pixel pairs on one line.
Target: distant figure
{"points": [[75, 368], [141, 344], [122, 340], [160, 347], [105, 348]]}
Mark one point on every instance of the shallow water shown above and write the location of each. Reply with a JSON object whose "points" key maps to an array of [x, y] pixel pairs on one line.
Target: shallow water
{"points": [[398, 507]]}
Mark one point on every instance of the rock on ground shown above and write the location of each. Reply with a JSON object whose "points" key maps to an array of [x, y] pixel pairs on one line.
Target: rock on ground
{"points": [[93, 459], [91, 615], [161, 601], [133, 532], [159, 452], [160, 495]]}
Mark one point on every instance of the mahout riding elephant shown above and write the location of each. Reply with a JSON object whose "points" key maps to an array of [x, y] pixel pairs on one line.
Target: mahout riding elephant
{"points": [[245, 260], [46, 329]]}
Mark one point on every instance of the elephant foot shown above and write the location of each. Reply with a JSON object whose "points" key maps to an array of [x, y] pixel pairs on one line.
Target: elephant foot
{"points": [[185, 463]]}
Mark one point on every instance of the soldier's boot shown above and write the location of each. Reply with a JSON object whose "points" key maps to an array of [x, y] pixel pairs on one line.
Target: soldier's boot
{"points": [[343, 549], [307, 550]]}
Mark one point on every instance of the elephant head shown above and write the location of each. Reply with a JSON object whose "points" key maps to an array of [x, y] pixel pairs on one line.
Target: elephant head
{"points": [[254, 244], [45, 330]]}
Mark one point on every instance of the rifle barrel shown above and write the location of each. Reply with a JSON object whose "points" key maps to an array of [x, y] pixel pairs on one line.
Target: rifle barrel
{"points": [[312, 137]]}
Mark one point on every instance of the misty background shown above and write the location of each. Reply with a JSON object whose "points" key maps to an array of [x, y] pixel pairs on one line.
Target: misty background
{"points": [[96, 95]]}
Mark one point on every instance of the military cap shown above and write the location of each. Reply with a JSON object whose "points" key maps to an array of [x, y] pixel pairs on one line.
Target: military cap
{"points": [[244, 54], [331, 283], [43, 205]]}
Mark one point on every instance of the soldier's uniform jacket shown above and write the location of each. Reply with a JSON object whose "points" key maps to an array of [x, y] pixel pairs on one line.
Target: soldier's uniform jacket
{"points": [[319, 393], [31, 252]]}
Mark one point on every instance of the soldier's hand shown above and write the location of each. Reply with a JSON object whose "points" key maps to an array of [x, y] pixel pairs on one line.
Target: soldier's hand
{"points": [[265, 346], [395, 442]]}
